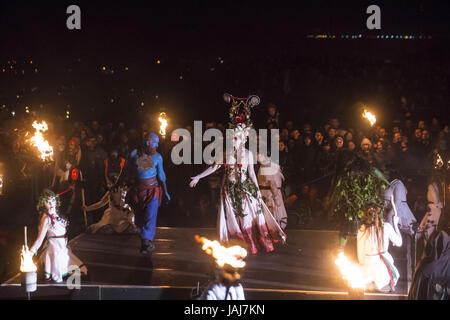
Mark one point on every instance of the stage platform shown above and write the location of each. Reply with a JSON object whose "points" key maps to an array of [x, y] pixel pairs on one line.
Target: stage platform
{"points": [[302, 269]]}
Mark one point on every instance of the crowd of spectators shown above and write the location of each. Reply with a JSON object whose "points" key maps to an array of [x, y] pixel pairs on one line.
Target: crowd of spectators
{"points": [[317, 113]]}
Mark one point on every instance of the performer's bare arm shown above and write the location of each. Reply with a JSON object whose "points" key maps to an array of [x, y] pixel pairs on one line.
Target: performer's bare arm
{"points": [[43, 227], [103, 202], [211, 169], [396, 236]]}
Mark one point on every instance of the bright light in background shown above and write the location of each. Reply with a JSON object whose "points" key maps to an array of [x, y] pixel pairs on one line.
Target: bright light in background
{"points": [[38, 141], [163, 120], [369, 116]]}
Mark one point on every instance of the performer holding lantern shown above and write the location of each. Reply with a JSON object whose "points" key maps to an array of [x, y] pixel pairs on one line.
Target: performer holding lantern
{"points": [[56, 256], [243, 215], [145, 168]]}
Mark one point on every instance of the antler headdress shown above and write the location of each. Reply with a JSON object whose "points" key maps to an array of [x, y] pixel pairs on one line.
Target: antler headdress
{"points": [[240, 109]]}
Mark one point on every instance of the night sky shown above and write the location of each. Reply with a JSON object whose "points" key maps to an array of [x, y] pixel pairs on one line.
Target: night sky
{"points": [[142, 29], [189, 38]]}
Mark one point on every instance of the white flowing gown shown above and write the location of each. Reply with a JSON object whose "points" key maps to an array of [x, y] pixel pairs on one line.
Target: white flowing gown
{"points": [[407, 218], [249, 219], [431, 219], [270, 181], [378, 266], [56, 256]]}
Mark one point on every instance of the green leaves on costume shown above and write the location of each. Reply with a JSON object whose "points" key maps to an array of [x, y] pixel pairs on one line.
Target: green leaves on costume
{"points": [[356, 191], [237, 191]]}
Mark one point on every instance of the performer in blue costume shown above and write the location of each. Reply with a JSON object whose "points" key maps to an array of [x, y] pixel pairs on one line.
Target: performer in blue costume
{"points": [[145, 165]]}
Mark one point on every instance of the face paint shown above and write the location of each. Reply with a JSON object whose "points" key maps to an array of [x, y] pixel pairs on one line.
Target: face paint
{"points": [[75, 174]]}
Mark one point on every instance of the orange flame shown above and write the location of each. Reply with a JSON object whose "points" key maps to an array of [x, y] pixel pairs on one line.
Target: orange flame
{"points": [[163, 120], [351, 272], [26, 261], [232, 256], [39, 142], [369, 116]]}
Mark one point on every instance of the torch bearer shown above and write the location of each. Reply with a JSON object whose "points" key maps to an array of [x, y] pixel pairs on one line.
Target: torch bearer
{"points": [[28, 268]]}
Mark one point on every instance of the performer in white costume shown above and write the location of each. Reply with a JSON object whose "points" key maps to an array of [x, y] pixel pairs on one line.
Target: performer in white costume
{"points": [[431, 219], [117, 218], [56, 256], [243, 215], [219, 291], [406, 217], [376, 263], [270, 179]]}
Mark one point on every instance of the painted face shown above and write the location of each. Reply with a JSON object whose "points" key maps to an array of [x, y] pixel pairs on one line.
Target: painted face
{"points": [[50, 205], [236, 141], [75, 174], [152, 140]]}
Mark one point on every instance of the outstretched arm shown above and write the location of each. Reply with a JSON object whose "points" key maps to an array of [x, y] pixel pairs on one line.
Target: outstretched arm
{"points": [[211, 169], [103, 202]]}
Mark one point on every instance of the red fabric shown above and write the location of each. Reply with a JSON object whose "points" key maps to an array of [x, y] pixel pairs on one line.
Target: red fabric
{"points": [[389, 269], [144, 192], [256, 237]]}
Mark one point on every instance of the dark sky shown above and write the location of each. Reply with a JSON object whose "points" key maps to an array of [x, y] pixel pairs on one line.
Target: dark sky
{"points": [[131, 28]]}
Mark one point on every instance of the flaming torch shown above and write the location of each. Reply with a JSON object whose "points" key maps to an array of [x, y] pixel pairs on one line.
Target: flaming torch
{"points": [[226, 283], [163, 120], [369, 116], [232, 256], [352, 274], [28, 268], [38, 141]]}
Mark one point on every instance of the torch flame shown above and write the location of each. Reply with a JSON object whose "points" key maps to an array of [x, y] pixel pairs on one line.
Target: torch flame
{"points": [[162, 119], [26, 260], [351, 272], [39, 142], [232, 256], [369, 116]]}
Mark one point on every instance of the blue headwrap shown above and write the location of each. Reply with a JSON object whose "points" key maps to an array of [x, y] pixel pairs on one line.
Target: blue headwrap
{"points": [[154, 137]]}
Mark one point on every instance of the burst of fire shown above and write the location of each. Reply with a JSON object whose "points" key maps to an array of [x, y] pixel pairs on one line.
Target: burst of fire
{"points": [[369, 116], [163, 120], [351, 272], [39, 142], [26, 260], [232, 256]]}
